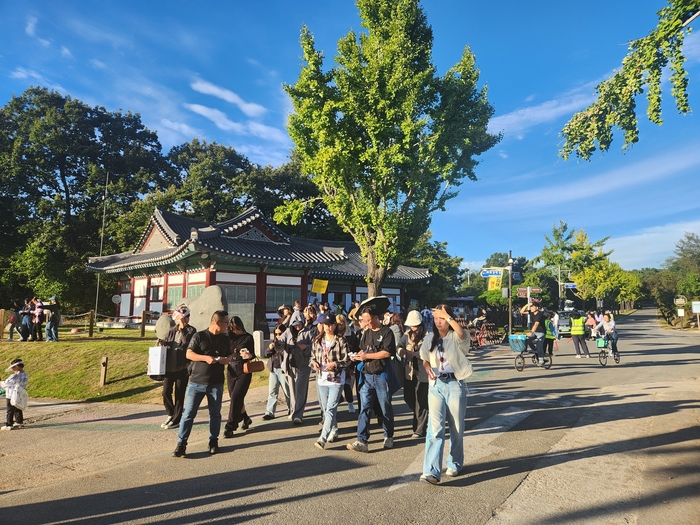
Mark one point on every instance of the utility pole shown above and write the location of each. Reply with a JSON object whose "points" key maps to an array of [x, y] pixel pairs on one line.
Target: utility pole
{"points": [[510, 292]]}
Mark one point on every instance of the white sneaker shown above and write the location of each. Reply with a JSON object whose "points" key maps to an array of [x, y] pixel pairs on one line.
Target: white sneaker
{"points": [[578, 356], [166, 422], [6, 427], [351, 408], [588, 356], [452, 472], [388, 442]]}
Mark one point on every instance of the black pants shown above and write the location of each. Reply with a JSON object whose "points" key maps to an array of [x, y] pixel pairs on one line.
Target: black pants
{"points": [[548, 346], [36, 332], [177, 381], [238, 384], [415, 394], [14, 415]]}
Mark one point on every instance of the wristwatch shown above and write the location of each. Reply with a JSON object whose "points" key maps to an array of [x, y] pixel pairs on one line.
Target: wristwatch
{"points": [[450, 319]]}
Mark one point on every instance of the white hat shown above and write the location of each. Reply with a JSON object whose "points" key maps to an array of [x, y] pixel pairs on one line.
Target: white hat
{"points": [[413, 318], [15, 362]]}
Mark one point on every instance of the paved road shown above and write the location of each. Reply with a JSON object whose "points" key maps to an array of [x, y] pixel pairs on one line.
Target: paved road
{"points": [[576, 444]]}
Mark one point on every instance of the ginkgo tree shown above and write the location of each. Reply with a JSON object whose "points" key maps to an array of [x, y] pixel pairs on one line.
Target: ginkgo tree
{"points": [[606, 280], [385, 139], [641, 70]]}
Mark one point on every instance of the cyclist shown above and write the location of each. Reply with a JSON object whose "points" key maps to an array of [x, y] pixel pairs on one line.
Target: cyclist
{"points": [[535, 338], [609, 331]]}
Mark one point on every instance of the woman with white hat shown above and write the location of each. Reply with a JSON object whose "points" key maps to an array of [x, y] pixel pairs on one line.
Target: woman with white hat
{"points": [[415, 390], [176, 376]]}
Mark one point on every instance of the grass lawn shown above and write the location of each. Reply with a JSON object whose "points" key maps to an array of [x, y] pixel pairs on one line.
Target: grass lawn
{"points": [[70, 369]]}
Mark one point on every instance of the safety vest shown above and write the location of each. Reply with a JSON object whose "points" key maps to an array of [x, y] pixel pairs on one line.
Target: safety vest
{"points": [[577, 326], [548, 325]]}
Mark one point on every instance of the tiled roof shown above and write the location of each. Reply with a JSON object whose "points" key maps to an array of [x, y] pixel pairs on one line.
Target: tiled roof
{"points": [[126, 261], [338, 259], [355, 268], [248, 217]]}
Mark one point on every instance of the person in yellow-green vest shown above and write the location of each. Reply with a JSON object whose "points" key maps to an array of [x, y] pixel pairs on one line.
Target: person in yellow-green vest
{"points": [[550, 334], [578, 334]]}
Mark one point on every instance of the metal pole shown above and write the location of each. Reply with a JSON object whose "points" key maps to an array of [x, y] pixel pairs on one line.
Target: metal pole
{"points": [[102, 238], [510, 292]]}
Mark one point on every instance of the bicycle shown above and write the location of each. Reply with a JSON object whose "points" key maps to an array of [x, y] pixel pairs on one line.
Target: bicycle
{"points": [[605, 351], [518, 344]]}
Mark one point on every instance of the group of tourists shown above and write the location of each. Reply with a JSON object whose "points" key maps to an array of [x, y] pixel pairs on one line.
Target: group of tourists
{"points": [[28, 319], [359, 351]]}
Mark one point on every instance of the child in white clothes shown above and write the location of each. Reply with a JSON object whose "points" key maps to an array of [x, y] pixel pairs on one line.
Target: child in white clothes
{"points": [[15, 417]]}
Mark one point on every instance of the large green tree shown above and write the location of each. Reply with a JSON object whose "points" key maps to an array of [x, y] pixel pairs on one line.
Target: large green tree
{"points": [[269, 188], [641, 69], [56, 156], [384, 138], [210, 177]]}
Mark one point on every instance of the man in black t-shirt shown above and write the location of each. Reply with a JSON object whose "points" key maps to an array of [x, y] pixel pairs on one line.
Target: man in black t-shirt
{"points": [[377, 347], [209, 353], [535, 339]]}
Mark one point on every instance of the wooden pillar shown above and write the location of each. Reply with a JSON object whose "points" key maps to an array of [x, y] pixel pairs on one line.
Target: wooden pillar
{"points": [[103, 371], [92, 323], [261, 287]]}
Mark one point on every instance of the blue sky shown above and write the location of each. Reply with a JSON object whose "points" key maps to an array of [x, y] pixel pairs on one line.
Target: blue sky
{"points": [[215, 70]]}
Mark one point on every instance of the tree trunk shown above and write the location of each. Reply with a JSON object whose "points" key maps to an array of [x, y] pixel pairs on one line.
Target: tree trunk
{"points": [[375, 276]]}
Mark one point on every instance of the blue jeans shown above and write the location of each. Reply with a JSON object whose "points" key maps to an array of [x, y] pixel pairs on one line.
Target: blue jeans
{"points": [[193, 398], [51, 331], [536, 342], [329, 398], [374, 387], [447, 401], [277, 380]]}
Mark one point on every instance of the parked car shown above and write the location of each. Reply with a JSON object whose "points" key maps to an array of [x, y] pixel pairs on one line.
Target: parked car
{"points": [[564, 326]]}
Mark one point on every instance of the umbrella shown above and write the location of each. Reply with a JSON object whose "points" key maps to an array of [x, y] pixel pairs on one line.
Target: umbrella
{"points": [[380, 302]]}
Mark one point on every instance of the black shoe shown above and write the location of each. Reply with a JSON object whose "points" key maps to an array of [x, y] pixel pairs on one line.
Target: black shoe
{"points": [[179, 451], [228, 434], [246, 422], [214, 446], [268, 417]]}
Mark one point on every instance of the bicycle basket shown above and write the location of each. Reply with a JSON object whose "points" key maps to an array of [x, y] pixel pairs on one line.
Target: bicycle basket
{"points": [[601, 342], [517, 343]]}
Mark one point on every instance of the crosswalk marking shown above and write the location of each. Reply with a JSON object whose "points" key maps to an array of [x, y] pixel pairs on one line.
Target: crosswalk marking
{"points": [[476, 442]]}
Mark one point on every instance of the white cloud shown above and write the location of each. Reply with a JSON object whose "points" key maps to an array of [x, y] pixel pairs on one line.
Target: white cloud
{"points": [[30, 29], [250, 109], [267, 132], [581, 187], [691, 47], [219, 118], [517, 122], [180, 127], [24, 73], [502, 154], [65, 52], [98, 64], [651, 246], [256, 129]]}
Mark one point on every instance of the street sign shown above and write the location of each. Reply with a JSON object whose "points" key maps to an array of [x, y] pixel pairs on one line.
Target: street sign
{"points": [[535, 290], [517, 276], [696, 307], [522, 289], [569, 286], [522, 295], [491, 272], [681, 312], [680, 300]]}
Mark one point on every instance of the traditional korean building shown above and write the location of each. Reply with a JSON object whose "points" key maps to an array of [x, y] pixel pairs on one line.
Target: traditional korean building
{"points": [[249, 257]]}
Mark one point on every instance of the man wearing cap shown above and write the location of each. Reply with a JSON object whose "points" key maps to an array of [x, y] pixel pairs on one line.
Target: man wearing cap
{"points": [[537, 331], [176, 375], [377, 347], [209, 352]]}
